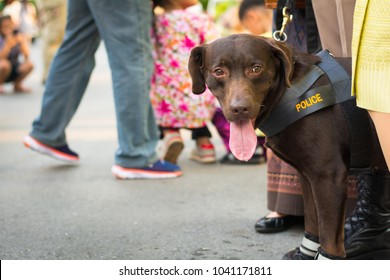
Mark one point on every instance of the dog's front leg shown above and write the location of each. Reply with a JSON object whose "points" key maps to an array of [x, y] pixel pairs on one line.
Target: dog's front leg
{"points": [[310, 211], [310, 242], [329, 193]]}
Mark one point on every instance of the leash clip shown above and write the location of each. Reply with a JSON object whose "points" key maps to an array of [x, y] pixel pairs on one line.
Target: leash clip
{"points": [[280, 35]]}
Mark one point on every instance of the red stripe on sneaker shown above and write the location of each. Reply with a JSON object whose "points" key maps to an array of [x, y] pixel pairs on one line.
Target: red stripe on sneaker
{"points": [[130, 173], [54, 151], [139, 171], [207, 146]]}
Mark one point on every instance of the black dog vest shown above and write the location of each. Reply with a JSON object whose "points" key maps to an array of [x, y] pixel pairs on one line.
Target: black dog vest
{"points": [[301, 100]]}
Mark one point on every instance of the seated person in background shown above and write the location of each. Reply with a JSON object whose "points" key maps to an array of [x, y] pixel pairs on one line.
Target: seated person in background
{"points": [[255, 17], [14, 56]]}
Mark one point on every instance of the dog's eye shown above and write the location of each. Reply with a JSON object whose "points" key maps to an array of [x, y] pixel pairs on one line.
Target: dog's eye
{"points": [[256, 69], [218, 72]]}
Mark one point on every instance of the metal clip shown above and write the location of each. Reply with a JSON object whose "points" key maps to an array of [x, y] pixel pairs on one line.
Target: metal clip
{"points": [[280, 35]]}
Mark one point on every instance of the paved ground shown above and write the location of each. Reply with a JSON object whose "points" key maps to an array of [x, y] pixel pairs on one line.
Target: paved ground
{"points": [[52, 211]]}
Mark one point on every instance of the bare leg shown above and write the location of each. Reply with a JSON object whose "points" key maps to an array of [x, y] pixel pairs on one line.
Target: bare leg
{"points": [[5, 70], [274, 214], [24, 69], [204, 140], [382, 124]]}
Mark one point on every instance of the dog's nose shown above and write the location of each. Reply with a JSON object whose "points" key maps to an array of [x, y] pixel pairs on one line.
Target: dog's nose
{"points": [[240, 108]]}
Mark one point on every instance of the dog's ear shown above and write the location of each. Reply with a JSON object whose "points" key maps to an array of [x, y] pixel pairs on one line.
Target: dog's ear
{"points": [[284, 53], [195, 65]]}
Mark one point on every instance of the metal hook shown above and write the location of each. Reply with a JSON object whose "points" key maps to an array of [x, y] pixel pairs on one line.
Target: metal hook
{"points": [[280, 35], [277, 37]]}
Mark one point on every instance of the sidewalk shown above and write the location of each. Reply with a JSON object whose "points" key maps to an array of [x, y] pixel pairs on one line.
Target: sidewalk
{"points": [[53, 211]]}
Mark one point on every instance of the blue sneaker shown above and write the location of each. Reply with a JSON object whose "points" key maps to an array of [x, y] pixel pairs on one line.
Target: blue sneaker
{"points": [[62, 153], [158, 170]]}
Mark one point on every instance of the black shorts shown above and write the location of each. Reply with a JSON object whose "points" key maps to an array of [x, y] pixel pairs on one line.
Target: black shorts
{"points": [[14, 73]]}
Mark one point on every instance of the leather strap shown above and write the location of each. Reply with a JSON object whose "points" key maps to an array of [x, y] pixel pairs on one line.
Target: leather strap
{"points": [[313, 43], [312, 35]]}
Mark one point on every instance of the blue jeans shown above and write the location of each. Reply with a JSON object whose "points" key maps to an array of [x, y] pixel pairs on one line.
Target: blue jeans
{"points": [[124, 26]]}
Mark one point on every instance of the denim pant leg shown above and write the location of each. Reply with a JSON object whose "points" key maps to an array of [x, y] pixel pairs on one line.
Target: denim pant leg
{"points": [[69, 75], [124, 26]]}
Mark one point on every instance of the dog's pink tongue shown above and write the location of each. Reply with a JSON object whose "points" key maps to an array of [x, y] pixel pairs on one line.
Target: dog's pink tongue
{"points": [[243, 140]]}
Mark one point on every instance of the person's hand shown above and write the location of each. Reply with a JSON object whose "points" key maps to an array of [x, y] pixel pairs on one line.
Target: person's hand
{"points": [[11, 40], [20, 38]]}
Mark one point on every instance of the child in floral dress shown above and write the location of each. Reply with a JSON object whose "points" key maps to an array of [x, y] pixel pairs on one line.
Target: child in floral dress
{"points": [[176, 31]]}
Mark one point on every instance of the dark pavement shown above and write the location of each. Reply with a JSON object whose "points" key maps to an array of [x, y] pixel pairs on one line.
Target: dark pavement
{"points": [[49, 210]]}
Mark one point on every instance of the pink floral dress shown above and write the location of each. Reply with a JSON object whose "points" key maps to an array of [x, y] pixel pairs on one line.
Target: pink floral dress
{"points": [[175, 106]]}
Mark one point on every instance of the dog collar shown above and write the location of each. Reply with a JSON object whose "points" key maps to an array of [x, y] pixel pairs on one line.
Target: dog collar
{"points": [[301, 100]]}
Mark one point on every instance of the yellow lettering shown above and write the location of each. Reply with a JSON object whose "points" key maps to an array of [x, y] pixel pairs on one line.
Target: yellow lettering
{"points": [[314, 99]]}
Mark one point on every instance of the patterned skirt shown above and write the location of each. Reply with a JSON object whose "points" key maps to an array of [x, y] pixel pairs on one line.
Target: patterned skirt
{"points": [[284, 190]]}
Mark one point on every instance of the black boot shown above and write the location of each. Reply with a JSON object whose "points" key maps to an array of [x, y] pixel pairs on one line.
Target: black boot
{"points": [[367, 229]]}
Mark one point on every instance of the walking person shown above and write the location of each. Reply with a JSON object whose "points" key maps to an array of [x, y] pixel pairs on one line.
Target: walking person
{"points": [[124, 26]]}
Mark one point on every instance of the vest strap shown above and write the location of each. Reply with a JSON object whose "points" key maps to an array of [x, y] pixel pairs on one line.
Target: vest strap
{"points": [[299, 100]]}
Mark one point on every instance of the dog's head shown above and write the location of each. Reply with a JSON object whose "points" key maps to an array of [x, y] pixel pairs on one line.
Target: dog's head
{"points": [[241, 70], [247, 74]]}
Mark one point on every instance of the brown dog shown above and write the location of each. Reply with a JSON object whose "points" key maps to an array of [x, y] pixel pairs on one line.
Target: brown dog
{"points": [[249, 75]]}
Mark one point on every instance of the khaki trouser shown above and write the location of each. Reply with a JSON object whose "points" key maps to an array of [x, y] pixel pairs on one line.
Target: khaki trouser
{"points": [[53, 19], [334, 21]]}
